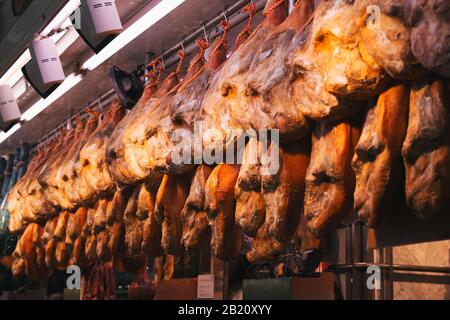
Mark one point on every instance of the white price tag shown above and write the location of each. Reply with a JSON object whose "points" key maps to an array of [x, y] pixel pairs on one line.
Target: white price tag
{"points": [[205, 286]]}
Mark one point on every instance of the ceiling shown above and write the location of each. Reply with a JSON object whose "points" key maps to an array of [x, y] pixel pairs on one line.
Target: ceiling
{"points": [[167, 32]]}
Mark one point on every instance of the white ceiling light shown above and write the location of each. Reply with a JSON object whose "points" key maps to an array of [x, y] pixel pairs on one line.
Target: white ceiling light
{"points": [[6, 135], [132, 32], [71, 81]]}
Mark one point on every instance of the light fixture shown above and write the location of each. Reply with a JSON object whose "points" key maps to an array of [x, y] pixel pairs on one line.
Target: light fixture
{"points": [[9, 133], [44, 72], [63, 40], [98, 23], [128, 35], [132, 32], [9, 110], [71, 81]]}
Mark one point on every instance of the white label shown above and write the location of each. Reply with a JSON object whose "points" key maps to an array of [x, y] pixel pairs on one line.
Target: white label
{"points": [[205, 286]]}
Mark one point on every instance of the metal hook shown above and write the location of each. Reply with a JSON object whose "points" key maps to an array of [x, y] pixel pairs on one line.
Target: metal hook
{"points": [[100, 105], [182, 44], [225, 14], [163, 63], [204, 32]]}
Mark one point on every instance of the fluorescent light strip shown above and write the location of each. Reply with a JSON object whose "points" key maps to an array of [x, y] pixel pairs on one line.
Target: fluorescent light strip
{"points": [[6, 135], [61, 17], [14, 73], [132, 32], [70, 82]]}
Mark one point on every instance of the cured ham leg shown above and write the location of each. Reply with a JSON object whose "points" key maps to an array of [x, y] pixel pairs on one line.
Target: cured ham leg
{"points": [[49, 243], [89, 233], [71, 183], [170, 200], [426, 150], [250, 206], [430, 30], [224, 98], [284, 189], [53, 178], [196, 231], [193, 215], [377, 162], [337, 52], [220, 206], [265, 247], [388, 44], [268, 102], [330, 180], [75, 225], [151, 237], [281, 191], [308, 240], [129, 149], [133, 229], [152, 234], [115, 221], [92, 166], [29, 255]]}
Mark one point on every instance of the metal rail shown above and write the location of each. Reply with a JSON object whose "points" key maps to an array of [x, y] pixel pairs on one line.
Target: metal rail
{"points": [[395, 267]]}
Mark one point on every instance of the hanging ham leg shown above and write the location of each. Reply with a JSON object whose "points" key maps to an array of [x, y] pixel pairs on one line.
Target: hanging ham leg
{"points": [[330, 181], [426, 150], [193, 215], [133, 230], [92, 167], [430, 31], [250, 206], [49, 242], [220, 206], [265, 247], [284, 189], [308, 240], [221, 108], [377, 161], [151, 242], [170, 200], [114, 219], [268, 102]]}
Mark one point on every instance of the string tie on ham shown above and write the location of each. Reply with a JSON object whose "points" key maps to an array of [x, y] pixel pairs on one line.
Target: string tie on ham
{"points": [[93, 113], [273, 7], [203, 44], [176, 73], [251, 9], [226, 25], [157, 67]]}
